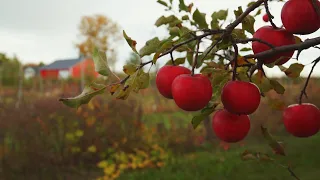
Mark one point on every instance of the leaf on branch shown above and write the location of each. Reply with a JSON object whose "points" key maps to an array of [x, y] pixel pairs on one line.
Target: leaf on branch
{"points": [[162, 2], [245, 49], [129, 69], [185, 17], [174, 31], [238, 12], [166, 44], [248, 24], [113, 88], [132, 43], [87, 94], [258, 12], [200, 19], [242, 61], [142, 81], [294, 70], [183, 6], [238, 34], [165, 20], [190, 57], [275, 145], [205, 112], [100, 62], [150, 47], [277, 86], [178, 61], [216, 16], [261, 81], [298, 40]]}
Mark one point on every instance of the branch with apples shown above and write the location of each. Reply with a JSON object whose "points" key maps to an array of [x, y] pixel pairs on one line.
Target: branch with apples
{"points": [[230, 83]]}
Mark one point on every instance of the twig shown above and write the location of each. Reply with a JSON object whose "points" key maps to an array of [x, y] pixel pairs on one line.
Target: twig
{"points": [[303, 92], [244, 41], [195, 61], [269, 14]]}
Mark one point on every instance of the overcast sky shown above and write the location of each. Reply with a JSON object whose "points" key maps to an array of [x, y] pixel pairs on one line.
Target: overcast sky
{"points": [[45, 30]]}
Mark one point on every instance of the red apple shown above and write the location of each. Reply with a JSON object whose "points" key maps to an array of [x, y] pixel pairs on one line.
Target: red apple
{"points": [[265, 18], [300, 17], [229, 127], [276, 37], [165, 77], [191, 93], [302, 120], [239, 97]]}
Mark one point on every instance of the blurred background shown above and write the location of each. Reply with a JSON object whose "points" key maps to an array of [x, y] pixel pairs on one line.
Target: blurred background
{"points": [[45, 54]]}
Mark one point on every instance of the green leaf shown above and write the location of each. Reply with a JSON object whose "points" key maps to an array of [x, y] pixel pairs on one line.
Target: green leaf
{"points": [[275, 145], [132, 43], [183, 6], [100, 62], [190, 57], [150, 47], [165, 20], [205, 112], [245, 49], [248, 24], [238, 12], [166, 44], [178, 61], [174, 31], [221, 15], [261, 81], [200, 19], [185, 17], [129, 69], [144, 80], [238, 34], [162, 2], [258, 12], [277, 86], [87, 94], [294, 70]]}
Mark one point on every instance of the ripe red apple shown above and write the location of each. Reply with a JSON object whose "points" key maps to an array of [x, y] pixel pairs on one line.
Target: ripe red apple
{"points": [[300, 17], [239, 97], [165, 77], [265, 18], [191, 93], [276, 37], [302, 120], [229, 127]]}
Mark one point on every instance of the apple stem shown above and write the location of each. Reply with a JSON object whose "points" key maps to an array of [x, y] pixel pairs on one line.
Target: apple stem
{"points": [[269, 14], [195, 61], [172, 59], [303, 91]]}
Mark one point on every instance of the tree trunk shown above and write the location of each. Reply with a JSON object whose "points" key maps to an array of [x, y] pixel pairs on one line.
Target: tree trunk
{"points": [[20, 88], [208, 128]]}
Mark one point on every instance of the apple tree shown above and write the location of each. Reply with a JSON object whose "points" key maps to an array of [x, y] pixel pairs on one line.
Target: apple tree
{"points": [[231, 59]]}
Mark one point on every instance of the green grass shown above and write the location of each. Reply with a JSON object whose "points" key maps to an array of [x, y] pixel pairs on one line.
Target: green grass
{"points": [[303, 154]]}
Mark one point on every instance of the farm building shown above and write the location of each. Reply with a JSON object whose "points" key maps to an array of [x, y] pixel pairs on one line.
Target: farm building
{"points": [[68, 68]]}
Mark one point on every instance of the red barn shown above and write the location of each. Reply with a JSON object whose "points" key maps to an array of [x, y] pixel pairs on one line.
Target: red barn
{"points": [[68, 68]]}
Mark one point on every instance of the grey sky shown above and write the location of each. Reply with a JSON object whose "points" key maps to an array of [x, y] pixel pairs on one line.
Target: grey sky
{"points": [[43, 30]]}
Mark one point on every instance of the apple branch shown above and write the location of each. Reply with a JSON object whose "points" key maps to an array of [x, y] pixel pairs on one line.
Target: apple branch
{"points": [[301, 46], [303, 92], [269, 14]]}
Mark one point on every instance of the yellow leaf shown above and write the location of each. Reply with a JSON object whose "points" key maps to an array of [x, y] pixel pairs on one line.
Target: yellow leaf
{"points": [[102, 164], [109, 169], [92, 149], [79, 133], [122, 166]]}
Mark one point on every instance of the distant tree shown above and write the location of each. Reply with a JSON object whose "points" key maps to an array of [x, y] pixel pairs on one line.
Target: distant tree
{"points": [[101, 32], [133, 59], [8, 70]]}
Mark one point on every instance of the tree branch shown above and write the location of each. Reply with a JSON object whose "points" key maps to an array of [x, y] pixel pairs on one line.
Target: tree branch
{"points": [[172, 58], [303, 92], [235, 59], [301, 46]]}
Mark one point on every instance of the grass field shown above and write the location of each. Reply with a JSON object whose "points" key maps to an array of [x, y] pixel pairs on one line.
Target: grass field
{"points": [[303, 154]]}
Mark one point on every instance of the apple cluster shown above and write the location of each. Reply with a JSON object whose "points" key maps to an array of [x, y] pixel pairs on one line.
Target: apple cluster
{"points": [[192, 92]]}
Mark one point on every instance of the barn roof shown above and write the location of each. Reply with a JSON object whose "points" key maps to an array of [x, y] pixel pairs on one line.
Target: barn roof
{"points": [[61, 64]]}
